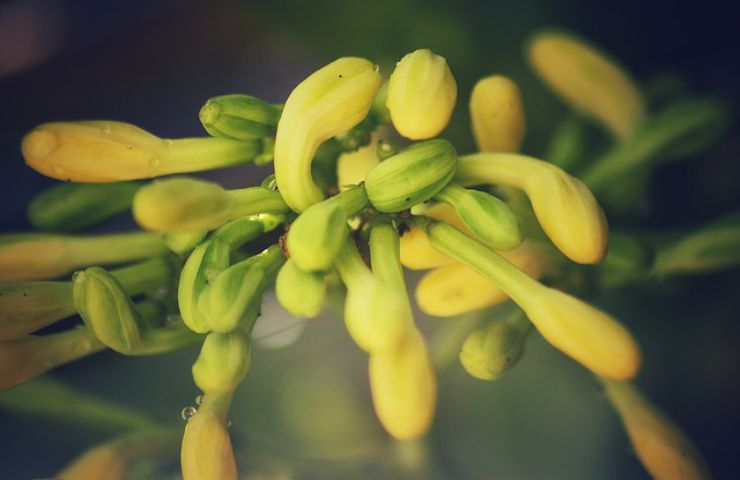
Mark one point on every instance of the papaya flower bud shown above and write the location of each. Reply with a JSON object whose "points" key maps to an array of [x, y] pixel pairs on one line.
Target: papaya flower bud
{"points": [[565, 208], [489, 352], [421, 95], [223, 362], [330, 101], [300, 293], [588, 81], [104, 151], [191, 205], [497, 114], [663, 449], [412, 176], [241, 117], [206, 450], [73, 206], [34, 256], [404, 388]]}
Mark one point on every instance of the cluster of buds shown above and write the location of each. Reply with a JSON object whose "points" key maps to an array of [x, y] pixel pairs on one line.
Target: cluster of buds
{"points": [[351, 198]]}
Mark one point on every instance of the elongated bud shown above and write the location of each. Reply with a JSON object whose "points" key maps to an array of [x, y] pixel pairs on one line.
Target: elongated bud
{"points": [[202, 267], [627, 260], [241, 117], [42, 256], [27, 357], [413, 176], [421, 95], [664, 450], [497, 115], [330, 101], [487, 217], [565, 208], [190, 205], [579, 330], [404, 388], [234, 298], [206, 447], [73, 206], [588, 81], [489, 352], [455, 289], [317, 235], [713, 247], [300, 293], [223, 362], [103, 151], [353, 167]]}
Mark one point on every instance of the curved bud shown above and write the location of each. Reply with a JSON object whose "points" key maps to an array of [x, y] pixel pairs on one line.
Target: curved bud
{"points": [[330, 101], [190, 205], [489, 352], [497, 115], [237, 116], [404, 388], [421, 95], [43, 256], [588, 80], [223, 362], [73, 206], [565, 208], [300, 293], [206, 448], [487, 217], [103, 151], [413, 176], [202, 267], [664, 450]]}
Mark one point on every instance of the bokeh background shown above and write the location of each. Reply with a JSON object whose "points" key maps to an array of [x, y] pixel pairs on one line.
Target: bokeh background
{"points": [[304, 411]]}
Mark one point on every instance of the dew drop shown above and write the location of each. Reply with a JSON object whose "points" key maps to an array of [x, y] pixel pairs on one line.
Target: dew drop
{"points": [[154, 162], [199, 400], [187, 412]]}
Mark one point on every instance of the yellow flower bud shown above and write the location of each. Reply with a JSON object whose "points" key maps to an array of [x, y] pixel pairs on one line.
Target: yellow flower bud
{"points": [[404, 388], [103, 151], [588, 80], [565, 208], [223, 362], [497, 115], [206, 451], [421, 95], [664, 450], [330, 101]]}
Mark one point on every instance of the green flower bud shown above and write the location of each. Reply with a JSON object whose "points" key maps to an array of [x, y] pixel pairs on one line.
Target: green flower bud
{"points": [[188, 205], [489, 352], [235, 296], [202, 267], [241, 117], [627, 260], [317, 235], [421, 95], [488, 218], [103, 151], [223, 362], [107, 310], [42, 256], [330, 101], [300, 293], [74, 206], [412, 176]]}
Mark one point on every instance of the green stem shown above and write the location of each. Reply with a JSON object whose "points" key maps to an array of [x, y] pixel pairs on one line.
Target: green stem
{"points": [[256, 200], [385, 255], [114, 248], [353, 200], [196, 154], [350, 264]]}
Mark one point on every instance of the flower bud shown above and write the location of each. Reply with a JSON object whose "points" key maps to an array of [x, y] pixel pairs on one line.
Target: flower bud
{"points": [[404, 388], [489, 352], [207, 261], [103, 151], [497, 115], [421, 95], [73, 206], [487, 217], [330, 101], [300, 293], [223, 362], [241, 117], [206, 448], [317, 235], [664, 450], [413, 176], [588, 80]]}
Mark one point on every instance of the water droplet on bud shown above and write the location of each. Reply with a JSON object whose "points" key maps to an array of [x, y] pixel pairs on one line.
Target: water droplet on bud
{"points": [[187, 412]]}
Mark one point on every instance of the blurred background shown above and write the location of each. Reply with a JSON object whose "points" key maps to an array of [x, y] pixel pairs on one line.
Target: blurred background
{"points": [[305, 411]]}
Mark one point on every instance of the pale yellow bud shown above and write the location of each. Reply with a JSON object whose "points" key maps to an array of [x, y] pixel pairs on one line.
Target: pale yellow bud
{"points": [[497, 115], [404, 388], [206, 448], [588, 80], [664, 450], [421, 95]]}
